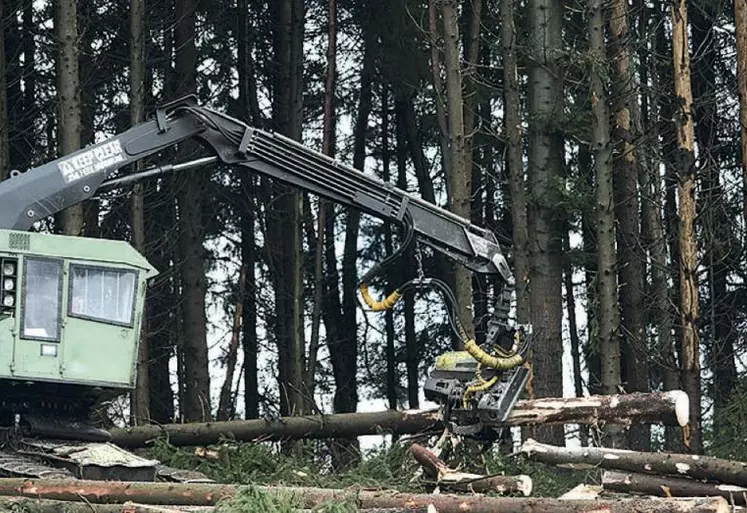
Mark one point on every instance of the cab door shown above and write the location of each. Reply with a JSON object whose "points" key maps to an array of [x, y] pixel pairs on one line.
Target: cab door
{"points": [[37, 351]]}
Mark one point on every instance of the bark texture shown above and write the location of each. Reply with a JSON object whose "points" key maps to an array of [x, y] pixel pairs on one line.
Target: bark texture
{"points": [[740, 19], [545, 105], [661, 407], [190, 185], [674, 464], [514, 158], [459, 169], [631, 482], [608, 317], [100, 492], [284, 215], [69, 124], [141, 394], [683, 116], [631, 257]]}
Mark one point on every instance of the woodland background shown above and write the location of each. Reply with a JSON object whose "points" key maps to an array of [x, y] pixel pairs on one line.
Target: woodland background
{"points": [[602, 141]]}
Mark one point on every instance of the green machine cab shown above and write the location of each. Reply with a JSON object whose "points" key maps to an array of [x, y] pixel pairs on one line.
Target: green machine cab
{"points": [[70, 318]]}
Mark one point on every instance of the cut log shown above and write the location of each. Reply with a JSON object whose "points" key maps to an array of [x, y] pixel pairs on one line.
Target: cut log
{"points": [[452, 479], [694, 466], [113, 492], [27, 505], [631, 482], [670, 408]]}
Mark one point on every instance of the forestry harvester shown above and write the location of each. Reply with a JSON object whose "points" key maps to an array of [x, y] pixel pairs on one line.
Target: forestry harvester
{"points": [[71, 307]]}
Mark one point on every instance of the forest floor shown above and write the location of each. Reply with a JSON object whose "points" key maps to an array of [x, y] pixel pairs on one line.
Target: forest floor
{"points": [[389, 467]]}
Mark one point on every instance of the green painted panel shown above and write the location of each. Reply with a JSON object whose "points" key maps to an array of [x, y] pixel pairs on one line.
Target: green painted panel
{"points": [[6, 345], [98, 352]]}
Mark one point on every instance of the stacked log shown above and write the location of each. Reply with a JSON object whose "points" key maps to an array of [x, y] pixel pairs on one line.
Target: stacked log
{"points": [[111, 492]]}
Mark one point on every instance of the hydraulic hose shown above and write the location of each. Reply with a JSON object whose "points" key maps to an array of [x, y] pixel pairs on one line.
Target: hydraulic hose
{"points": [[379, 306]]}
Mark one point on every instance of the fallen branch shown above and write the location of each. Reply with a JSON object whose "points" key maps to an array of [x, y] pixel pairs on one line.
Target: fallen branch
{"points": [[452, 479], [631, 482], [108, 492], [687, 465], [670, 408]]}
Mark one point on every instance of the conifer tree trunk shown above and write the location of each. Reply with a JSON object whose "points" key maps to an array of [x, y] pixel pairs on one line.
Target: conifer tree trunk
{"points": [[685, 161], [545, 103], [284, 218], [141, 395], [250, 106], [608, 310], [740, 19], [4, 149], [70, 220], [189, 193], [459, 172], [515, 158]]}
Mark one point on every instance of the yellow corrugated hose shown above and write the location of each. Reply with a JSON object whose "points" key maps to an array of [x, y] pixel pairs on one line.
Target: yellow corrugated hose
{"points": [[378, 306]]}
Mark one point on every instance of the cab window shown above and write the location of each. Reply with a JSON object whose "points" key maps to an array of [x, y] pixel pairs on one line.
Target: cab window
{"points": [[42, 295], [102, 294]]}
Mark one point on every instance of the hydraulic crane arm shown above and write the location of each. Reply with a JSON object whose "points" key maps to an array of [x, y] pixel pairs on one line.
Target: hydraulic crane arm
{"points": [[59, 184], [52, 187]]}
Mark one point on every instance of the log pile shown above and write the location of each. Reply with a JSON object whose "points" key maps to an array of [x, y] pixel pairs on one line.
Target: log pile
{"points": [[651, 483], [116, 495], [650, 474]]}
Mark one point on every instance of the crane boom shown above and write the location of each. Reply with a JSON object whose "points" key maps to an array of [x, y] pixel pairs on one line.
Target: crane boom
{"points": [[54, 186]]}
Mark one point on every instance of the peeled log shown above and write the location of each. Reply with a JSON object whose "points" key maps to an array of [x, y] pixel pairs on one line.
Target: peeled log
{"points": [[631, 482], [660, 463], [670, 408], [108, 492], [465, 482]]}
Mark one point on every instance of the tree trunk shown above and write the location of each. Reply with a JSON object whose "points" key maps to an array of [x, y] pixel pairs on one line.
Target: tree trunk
{"points": [[344, 351], [284, 218], [190, 187], [515, 158], [608, 315], [328, 140], [4, 126], [250, 105], [226, 404], [141, 395], [630, 482], [631, 257], [458, 173], [97, 492], [70, 220], [683, 116], [545, 103], [667, 407], [740, 18], [392, 378], [407, 136], [29, 505]]}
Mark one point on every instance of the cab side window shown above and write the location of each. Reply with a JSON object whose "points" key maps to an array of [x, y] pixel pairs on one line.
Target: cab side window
{"points": [[102, 294], [42, 295]]}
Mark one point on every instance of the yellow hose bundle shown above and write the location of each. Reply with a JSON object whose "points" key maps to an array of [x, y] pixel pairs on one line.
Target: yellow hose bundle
{"points": [[493, 362], [378, 306]]}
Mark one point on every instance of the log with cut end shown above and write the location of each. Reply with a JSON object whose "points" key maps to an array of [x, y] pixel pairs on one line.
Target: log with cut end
{"points": [[670, 408], [28, 505], [452, 479], [117, 492], [632, 482], [685, 465]]}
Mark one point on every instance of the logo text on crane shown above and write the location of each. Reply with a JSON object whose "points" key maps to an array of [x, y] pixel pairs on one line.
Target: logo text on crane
{"points": [[91, 161]]}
